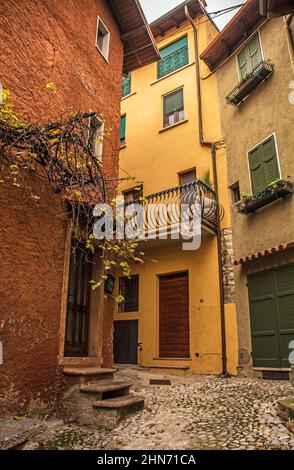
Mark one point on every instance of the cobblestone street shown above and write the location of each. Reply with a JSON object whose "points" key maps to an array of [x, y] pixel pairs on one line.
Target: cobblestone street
{"points": [[192, 413]]}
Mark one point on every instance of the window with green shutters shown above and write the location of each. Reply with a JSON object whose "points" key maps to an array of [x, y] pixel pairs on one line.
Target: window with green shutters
{"points": [[173, 108], [173, 57], [249, 57], [263, 165], [126, 85], [123, 121]]}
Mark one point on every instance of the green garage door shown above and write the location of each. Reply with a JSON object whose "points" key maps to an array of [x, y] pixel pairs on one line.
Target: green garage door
{"points": [[271, 296]]}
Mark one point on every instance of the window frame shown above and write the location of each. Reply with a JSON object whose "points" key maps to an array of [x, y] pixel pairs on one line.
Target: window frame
{"points": [[121, 307], [129, 77], [246, 45], [104, 53], [273, 134], [236, 187], [165, 126]]}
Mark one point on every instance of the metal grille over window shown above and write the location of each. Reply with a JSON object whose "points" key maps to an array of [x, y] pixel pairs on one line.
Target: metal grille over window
{"points": [[129, 289], [173, 57]]}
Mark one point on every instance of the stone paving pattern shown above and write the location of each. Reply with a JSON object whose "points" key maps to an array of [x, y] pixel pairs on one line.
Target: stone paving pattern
{"points": [[192, 413]]}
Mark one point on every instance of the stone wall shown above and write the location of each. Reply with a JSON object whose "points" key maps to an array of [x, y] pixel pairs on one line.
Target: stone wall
{"points": [[46, 41], [228, 265]]}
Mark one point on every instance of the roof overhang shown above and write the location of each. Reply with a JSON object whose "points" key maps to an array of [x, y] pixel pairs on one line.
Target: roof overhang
{"points": [[246, 21], [264, 253], [275, 8], [139, 45], [175, 17]]}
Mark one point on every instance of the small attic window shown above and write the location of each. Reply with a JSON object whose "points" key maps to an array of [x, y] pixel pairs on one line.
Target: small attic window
{"points": [[102, 38]]}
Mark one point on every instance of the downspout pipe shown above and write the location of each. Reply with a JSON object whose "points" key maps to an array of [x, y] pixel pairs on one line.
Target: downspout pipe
{"points": [[212, 146]]}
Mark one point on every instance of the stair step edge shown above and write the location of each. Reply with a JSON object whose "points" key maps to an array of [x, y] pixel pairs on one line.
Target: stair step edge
{"points": [[87, 371], [120, 402], [104, 387]]}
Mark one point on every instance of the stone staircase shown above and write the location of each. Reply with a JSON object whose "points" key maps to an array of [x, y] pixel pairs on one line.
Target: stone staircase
{"points": [[94, 398]]}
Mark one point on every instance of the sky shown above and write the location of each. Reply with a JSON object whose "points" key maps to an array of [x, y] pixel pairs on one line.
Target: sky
{"points": [[155, 8]]}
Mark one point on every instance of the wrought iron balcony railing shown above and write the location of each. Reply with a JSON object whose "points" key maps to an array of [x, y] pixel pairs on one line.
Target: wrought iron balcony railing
{"points": [[173, 61], [261, 72], [164, 209]]}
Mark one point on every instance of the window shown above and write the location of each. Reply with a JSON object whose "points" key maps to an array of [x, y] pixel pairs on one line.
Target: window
{"points": [[173, 108], [123, 122], [263, 164], [188, 177], [133, 194], [126, 85], [249, 57], [129, 289], [236, 195], [102, 38], [173, 57]]}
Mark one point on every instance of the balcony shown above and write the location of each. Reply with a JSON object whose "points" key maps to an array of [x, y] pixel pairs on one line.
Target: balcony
{"points": [[261, 72], [163, 211], [277, 190], [173, 61]]}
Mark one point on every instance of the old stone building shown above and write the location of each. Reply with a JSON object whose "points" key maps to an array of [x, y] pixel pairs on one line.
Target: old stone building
{"points": [[252, 59], [80, 49]]}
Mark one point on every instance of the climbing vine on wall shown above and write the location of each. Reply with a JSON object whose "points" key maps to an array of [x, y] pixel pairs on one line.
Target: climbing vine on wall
{"points": [[62, 153]]}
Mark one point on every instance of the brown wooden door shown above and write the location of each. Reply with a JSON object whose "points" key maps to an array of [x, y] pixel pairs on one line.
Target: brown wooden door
{"points": [[77, 322], [174, 338]]}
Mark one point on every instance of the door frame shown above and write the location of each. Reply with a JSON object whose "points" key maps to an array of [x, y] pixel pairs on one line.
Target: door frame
{"points": [[96, 309], [157, 325]]}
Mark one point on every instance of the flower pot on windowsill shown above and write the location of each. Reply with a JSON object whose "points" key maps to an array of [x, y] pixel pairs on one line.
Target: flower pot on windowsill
{"points": [[276, 190]]}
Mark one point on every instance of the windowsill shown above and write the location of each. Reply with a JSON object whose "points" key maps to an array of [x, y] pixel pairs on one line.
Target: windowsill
{"points": [[172, 126], [172, 359], [122, 146], [128, 96], [172, 73]]}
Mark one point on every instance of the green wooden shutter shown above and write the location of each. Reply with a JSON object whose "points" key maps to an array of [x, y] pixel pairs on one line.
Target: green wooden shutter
{"points": [[174, 47], [255, 51], [249, 57], [264, 320], [257, 170], [123, 128], [173, 102], [284, 284], [263, 164], [270, 159], [244, 62]]}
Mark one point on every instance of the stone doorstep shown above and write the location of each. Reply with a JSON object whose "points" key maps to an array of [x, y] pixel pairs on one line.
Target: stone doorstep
{"points": [[16, 432], [87, 371], [120, 402], [105, 386]]}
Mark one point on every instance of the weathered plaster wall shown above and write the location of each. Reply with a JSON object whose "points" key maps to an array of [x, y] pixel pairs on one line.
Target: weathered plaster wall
{"points": [[266, 110], [41, 42]]}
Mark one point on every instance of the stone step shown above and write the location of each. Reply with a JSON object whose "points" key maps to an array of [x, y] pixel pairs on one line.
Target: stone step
{"points": [[105, 386], [87, 371], [81, 375], [129, 401]]}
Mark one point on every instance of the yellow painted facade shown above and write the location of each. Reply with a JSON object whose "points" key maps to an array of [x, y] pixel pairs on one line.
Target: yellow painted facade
{"points": [[157, 156]]}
